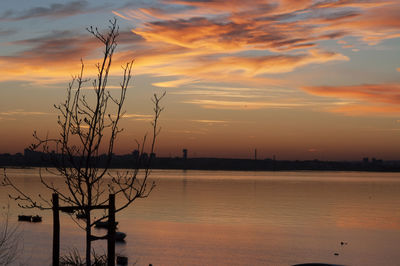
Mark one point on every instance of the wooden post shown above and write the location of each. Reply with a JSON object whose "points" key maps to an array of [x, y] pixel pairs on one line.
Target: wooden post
{"points": [[56, 231], [111, 231]]}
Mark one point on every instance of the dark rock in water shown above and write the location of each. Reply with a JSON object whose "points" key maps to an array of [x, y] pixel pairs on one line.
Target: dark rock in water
{"points": [[36, 219], [119, 236], [121, 260], [30, 218], [104, 224], [24, 218], [336, 254]]}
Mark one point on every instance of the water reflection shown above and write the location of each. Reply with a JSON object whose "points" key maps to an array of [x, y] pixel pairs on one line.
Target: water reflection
{"points": [[248, 218]]}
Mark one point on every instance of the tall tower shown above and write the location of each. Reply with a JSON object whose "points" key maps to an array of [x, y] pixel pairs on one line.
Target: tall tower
{"points": [[184, 151]]}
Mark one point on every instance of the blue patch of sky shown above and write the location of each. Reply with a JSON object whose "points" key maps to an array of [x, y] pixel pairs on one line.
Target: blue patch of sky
{"points": [[99, 14]]}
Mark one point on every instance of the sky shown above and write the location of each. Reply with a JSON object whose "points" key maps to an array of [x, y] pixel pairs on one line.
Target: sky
{"points": [[294, 79]]}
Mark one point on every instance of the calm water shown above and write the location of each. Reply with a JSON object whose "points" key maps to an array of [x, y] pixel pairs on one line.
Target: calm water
{"points": [[241, 218]]}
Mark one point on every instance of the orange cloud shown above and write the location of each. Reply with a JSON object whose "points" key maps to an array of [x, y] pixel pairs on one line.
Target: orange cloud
{"points": [[55, 57], [193, 33], [217, 4], [352, 3], [370, 98], [372, 25], [174, 83], [139, 117], [377, 93], [278, 63], [209, 68], [279, 25]]}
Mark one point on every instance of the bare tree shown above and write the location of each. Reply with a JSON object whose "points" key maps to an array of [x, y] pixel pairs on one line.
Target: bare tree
{"points": [[88, 128], [9, 241]]}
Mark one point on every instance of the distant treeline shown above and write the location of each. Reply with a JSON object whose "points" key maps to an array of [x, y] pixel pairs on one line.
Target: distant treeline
{"points": [[36, 159]]}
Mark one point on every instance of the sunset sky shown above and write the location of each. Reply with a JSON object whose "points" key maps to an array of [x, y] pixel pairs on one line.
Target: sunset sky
{"points": [[298, 79]]}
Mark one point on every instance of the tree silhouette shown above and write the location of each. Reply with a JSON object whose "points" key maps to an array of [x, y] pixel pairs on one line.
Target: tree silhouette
{"points": [[88, 126], [9, 241]]}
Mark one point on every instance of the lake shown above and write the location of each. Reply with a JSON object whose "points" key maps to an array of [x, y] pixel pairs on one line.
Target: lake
{"points": [[238, 218]]}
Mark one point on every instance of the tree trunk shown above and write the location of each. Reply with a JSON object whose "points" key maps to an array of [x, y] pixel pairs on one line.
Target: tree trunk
{"points": [[56, 231], [88, 239], [111, 231]]}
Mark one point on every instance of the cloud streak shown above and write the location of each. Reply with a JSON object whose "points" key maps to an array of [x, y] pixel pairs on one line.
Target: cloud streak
{"points": [[7, 32], [241, 105], [208, 121], [56, 56], [367, 98], [376, 93], [51, 11], [14, 114]]}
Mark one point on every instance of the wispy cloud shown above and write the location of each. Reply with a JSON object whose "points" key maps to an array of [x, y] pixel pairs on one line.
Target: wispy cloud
{"points": [[52, 11], [378, 93], [14, 114], [56, 56], [208, 121], [214, 93], [174, 83], [139, 117], [188, 132], [7, 32], [241, 105], [373, 24], [22, 112], [368, 98]]}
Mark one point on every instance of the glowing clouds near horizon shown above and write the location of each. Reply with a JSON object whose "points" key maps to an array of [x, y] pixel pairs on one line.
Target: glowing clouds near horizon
{"points": [[367, 98]]}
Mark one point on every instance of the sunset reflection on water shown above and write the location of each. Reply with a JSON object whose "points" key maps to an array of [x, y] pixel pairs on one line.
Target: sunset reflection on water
{"points": [[245, 218]]}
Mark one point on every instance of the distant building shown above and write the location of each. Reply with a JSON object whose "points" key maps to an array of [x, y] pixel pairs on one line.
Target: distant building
{"points": [[32, 156], [377, 161], [144, 156], [184, 151], [135, 154]]}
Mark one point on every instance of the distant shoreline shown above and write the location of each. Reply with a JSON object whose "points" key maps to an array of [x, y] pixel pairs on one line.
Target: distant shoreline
{"points": [[30, 160]]}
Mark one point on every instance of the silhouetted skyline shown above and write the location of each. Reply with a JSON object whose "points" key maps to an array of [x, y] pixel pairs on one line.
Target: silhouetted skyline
{"points": [[37, 159]]}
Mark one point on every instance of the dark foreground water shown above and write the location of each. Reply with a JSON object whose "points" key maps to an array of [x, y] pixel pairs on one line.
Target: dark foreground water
{"points": [[240, 218]]}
